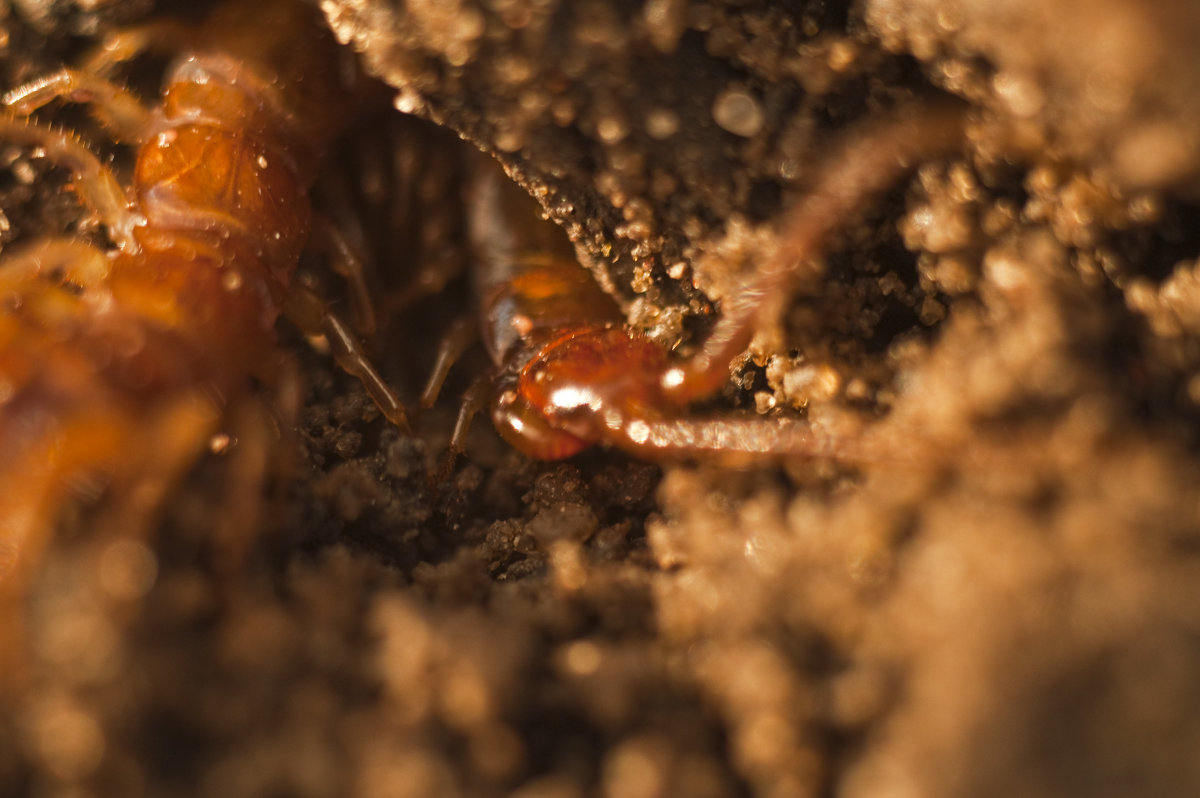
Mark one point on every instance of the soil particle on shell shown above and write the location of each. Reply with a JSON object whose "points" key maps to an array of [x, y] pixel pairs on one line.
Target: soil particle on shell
{"points": [[1010, 609]]}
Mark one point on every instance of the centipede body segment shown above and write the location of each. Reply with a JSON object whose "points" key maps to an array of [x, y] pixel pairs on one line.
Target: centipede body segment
{"points": [[117, 366]]}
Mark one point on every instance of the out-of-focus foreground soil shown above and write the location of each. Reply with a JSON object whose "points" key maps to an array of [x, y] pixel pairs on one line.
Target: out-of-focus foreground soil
{"points": [[1013, 608]]}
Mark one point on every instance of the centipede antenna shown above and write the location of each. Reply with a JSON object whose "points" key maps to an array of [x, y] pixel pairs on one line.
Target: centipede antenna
{"points": [[737, 441], [867, 164]]}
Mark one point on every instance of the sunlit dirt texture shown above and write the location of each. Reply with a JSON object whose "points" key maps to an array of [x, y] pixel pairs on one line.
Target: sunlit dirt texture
{"points": [[1011, 610]]}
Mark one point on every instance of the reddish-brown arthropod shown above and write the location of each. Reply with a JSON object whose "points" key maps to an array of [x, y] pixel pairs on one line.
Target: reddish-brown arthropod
{"points": [[119, 365], [568, 373]]}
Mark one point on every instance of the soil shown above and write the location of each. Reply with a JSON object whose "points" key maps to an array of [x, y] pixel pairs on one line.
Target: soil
{"points": [[1011, 607]]}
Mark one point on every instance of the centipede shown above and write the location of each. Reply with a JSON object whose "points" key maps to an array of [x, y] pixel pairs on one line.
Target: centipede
{"points": [[569, 374], [120, 362]]}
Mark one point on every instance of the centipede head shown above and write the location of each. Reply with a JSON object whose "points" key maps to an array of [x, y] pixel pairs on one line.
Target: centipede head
{"points": [[583, 387]]}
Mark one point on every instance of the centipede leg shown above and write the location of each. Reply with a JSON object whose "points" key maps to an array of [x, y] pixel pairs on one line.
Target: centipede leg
{"points": [[95, 183], [313, 317], [462, 333], [431, 279], [474, 400], [64, 259], [160, 37], [327, 238], [249, 464], [425, 176], [154, 449], [115, 107], [171, 440]]}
